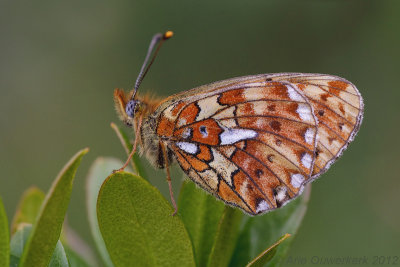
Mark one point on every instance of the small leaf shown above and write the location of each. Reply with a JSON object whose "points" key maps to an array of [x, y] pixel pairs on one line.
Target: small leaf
{"points": [[4, 237], [260, 231], [136, 223], [100, 169], [59, 258], [267, 254], [225, 240], [200, 212], [124, 139], [28, 207], [47, 228], [18, 242]]}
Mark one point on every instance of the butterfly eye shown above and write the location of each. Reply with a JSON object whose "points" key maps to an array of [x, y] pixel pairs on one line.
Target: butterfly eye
{"points": [[130, 108]]}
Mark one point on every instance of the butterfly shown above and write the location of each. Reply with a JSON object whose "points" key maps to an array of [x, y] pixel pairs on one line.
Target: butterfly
{"points": [[253, 142]]}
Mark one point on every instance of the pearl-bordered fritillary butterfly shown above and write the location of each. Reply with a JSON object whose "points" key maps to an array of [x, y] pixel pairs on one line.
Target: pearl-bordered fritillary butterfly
{"points": [[252, 141]]}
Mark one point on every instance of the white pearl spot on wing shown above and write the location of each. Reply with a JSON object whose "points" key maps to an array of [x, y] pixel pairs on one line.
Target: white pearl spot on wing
{"points": [[306, 160], [293, 93], [231, 136], [309, 136], [304, 112], [188, 147], [297, 180], [262, 206], [280, 193]]}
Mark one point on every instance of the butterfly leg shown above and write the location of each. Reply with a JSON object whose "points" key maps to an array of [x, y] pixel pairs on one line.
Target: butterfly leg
{"points": [[171, 193], [133, 149]]}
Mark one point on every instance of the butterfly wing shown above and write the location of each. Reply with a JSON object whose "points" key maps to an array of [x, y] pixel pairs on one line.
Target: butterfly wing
{"points": [[338, 107], [250, 141]]}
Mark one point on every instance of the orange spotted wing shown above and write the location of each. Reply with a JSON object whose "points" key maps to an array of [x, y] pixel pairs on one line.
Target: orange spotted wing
{"points": [[255, 141]]}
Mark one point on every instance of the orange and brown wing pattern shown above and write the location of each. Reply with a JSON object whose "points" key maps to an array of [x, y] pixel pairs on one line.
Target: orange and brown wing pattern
{"points": [[252, 144], [338, 106], [255, 141]]}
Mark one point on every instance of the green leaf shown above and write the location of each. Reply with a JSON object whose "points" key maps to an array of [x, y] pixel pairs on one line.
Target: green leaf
{"points": [[259, 232], [28, 207], [100, 169], [124, 139], [78, 252], [136, 223], [200, 212], [4, 237], [47, 228], [74, 259], [59, 257], [18, 242], [225, 240], [268, 254]]}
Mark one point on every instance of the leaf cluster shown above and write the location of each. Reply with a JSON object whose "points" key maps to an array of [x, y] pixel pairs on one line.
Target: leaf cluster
{"points": [[132, 224]]}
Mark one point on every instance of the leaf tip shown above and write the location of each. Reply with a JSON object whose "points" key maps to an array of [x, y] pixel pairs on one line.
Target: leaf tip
{"points": [[32, 189], [84, 151], [285, 236]]}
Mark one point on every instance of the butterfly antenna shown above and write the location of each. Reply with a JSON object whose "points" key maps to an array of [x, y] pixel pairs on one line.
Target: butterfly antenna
{"points": [[154, 47]]}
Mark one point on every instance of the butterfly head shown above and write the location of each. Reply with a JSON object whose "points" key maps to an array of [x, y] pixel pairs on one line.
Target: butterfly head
{"points": [[127, 108]]}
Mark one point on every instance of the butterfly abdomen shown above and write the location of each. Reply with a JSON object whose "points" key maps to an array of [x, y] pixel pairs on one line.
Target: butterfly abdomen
{"points": [[151, 144]]}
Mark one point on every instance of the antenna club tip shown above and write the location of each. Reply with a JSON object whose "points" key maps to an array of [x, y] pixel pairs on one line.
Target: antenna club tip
{"points": [[168, 35]]}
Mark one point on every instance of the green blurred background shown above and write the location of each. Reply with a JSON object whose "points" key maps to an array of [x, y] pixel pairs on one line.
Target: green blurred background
{"points": [[60, 61]]}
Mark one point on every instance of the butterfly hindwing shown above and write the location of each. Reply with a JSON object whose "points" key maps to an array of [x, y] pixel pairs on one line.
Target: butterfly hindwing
{"points": [[252, 144]]}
